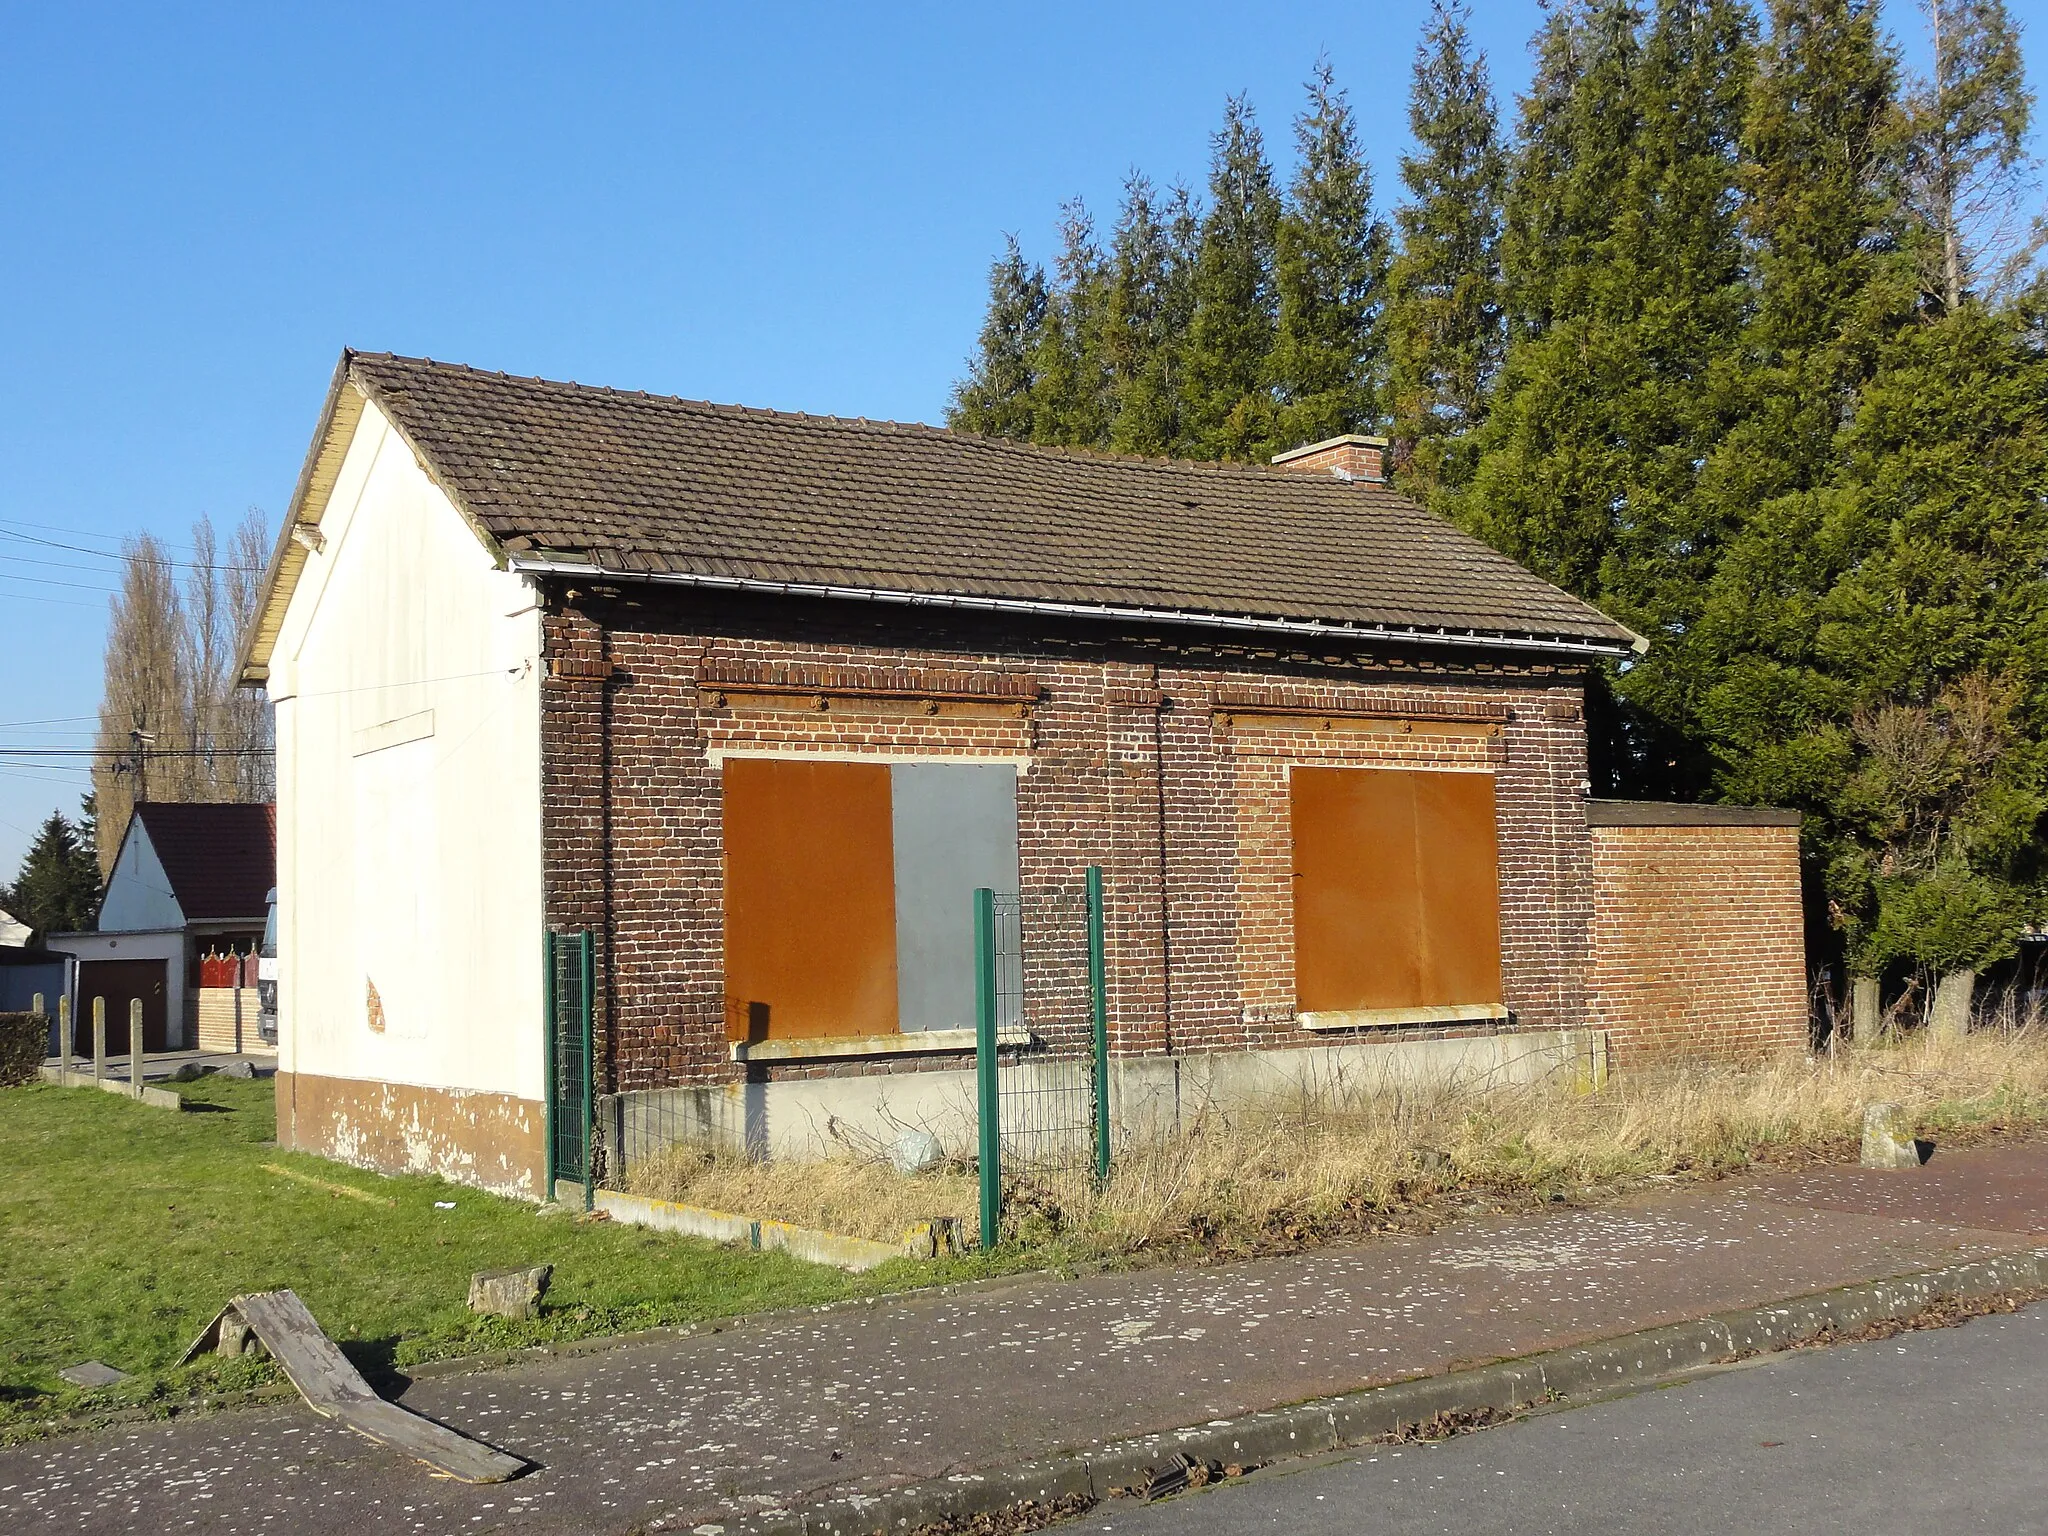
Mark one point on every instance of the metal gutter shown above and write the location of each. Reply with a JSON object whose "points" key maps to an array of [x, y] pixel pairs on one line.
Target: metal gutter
{"points": [[1047, 608]]}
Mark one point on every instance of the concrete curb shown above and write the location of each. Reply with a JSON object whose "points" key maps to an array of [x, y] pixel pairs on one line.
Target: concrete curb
{"points": [[1331, 1423], [155, 1098], [856, 1254]]}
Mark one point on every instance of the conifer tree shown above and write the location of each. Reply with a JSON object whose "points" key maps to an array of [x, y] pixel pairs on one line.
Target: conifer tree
{"points": [[1628, 289], [1444, 322], [1934, 637], [1327, 364], [1071, 399], [1149, 304], [995, 399], [1227, 407], [1545, 491], [58, 887]]}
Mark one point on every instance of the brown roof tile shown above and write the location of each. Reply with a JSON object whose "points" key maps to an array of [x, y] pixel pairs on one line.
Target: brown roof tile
{"points": [[221, 857], [650, 484]]}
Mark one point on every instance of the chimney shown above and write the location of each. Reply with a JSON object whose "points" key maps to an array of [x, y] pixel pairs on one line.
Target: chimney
{"points": [[1347, 458]]}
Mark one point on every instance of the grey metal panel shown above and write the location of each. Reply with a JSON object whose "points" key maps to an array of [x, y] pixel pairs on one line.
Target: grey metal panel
{"points": [[955, 827]]}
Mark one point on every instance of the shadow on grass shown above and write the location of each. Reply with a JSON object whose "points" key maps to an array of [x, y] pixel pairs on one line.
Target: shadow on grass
{"points": [[201, 1107]]}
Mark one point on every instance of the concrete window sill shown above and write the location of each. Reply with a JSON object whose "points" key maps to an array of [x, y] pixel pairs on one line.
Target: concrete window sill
{"points": [[919, 1042], [1369, 1018]]}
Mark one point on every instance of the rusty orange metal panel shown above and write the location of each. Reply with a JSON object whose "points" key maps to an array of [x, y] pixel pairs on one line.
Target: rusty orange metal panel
{"points": [[1355, 904], [810, 900], [1396, 895], [1458, 878]]}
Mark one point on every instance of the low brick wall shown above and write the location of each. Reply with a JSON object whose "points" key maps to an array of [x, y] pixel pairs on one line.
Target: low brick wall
{"points": [[1698, 942], [212, 1019]]}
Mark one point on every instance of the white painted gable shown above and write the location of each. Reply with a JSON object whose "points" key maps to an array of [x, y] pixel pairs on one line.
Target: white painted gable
{"points": [[139, 892]]}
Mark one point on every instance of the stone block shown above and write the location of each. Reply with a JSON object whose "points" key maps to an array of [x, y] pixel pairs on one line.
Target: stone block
{"points": [[1887, 1138], [510, 1293], [92, 1373]]}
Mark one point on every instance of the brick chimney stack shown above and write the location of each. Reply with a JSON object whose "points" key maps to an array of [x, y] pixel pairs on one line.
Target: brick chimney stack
{"points": [[1347, 458]]}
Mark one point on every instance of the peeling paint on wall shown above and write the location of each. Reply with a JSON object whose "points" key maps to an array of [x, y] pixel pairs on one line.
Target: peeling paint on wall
{"points": [[491, 1140]]}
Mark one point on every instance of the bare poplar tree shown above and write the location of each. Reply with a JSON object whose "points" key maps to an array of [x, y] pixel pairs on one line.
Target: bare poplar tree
{"points": [[1969, 176], [173, 725], [143, 702]]}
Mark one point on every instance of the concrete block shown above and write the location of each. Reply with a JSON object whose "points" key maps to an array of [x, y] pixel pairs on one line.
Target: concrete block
{"points": [[92, 1373], [842, 1252], [1887, 1138], [512, 1293]]}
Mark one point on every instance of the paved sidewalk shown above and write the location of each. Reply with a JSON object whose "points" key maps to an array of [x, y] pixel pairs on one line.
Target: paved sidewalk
{"points": [[678, 1433]]}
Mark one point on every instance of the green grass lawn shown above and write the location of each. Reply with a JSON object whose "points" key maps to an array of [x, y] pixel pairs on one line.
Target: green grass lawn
{"points": [[124, 1228]]}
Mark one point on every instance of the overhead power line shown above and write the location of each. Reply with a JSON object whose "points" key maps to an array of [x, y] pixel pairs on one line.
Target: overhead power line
{"points": [[131, 753], [124, 558]]}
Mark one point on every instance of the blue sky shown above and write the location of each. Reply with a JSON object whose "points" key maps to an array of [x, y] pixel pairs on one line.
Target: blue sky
{"points": [[781, 206]]}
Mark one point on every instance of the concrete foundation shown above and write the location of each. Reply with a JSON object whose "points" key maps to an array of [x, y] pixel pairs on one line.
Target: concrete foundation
{"points": [[492, 1140], [1151, 1097]]}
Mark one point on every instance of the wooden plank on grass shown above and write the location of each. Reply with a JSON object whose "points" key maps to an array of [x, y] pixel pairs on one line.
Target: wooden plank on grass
{"points": [[334, 1388]]}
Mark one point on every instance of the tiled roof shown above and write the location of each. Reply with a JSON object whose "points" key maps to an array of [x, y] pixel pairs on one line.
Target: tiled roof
{"points": [[652, 485], [221, 858]]}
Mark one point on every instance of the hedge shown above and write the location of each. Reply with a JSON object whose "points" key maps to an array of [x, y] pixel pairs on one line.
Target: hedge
{"points": [[24, 1042]]}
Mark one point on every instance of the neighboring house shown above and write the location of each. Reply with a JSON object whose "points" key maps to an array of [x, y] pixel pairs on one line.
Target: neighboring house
{"points": [[189, 884], [758, 700], [28, 972]]}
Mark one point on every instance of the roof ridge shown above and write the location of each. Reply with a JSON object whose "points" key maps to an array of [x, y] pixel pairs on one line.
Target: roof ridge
{"points": [[1087, 452]]}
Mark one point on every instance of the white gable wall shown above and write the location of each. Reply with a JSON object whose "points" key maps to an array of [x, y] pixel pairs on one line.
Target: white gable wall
{"points": [[139, 894], [406, 677]]}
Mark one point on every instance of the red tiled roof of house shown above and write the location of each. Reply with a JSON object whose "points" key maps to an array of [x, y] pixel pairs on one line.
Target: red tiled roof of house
{"points": [[221, 858]]}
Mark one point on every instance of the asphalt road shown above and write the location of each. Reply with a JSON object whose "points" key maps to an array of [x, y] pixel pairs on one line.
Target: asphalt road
{"points": [[1941, 1431]]}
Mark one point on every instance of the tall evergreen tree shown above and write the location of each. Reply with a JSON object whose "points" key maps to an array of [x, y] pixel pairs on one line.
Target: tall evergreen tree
{"points": [[1071, 399], [1821, 209], [995, 399], [1149, 304], [1227, 407], [1328, 359], [1627, 280], [1546, 489], [58, 887], [1444, 322]]}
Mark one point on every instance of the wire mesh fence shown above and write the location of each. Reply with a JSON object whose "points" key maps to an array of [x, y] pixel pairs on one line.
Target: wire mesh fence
{"points": [[571, 1098], [1041, 1065]]}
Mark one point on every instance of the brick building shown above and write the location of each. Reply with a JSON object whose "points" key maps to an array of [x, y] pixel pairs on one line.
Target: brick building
{"points": [[757, 700]]}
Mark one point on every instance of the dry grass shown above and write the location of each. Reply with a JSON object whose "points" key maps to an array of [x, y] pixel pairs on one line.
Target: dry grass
{"points": [[863, 1197], [1331, 1164]]}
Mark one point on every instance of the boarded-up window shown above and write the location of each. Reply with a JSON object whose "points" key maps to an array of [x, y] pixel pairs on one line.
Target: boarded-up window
{"points": [[848, 892], [810, 900], [1396, 889]]}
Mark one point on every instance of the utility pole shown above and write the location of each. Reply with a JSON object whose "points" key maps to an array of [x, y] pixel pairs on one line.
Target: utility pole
{"points": [[140, 741]]}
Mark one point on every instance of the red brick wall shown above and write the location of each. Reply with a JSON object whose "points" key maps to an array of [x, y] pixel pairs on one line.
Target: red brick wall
{"points": [[1699, 947], [1161, 759]]}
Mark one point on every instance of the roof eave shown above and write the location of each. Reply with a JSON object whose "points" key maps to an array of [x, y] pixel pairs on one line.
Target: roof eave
{"points": [[339, 418], [1467, 639], [309, 501]]}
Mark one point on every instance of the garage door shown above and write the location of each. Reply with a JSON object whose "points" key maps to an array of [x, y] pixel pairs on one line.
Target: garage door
{"points": [[119, 981]]}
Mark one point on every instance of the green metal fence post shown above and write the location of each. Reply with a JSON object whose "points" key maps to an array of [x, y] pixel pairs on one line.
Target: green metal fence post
{"points": [[589, 1079], [1098, 996], [985, 1064], [554, 1071]]}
